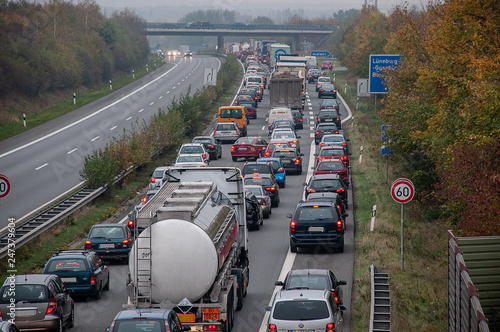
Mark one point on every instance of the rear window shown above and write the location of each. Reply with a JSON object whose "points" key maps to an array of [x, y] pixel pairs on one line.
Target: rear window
{"points": [[307, 282], [283, 134], [275, 165], [328, 127], [328, 114], [107, 233], [249, 169], [28, 293], [189, 159], [284, 154], [191, 150], [331, 152], [254, 79], [332, 139], [334, 183], [330, 166], [158, 174], [226, 127], [245, 141], [300, 310], [255, 191], [202, 140], [230, 113], [258, 181], [310, 213], [324, 79], [66, 265], [153, 325]]}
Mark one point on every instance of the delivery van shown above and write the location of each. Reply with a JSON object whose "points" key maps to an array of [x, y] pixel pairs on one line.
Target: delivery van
{"points": [[234, 114]]}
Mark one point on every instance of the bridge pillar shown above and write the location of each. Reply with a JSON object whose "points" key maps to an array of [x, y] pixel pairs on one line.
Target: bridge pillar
{"points": [[295, 43], [220, 44]]}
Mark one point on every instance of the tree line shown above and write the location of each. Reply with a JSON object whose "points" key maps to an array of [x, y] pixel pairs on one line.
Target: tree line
{"points": [[443, 102], [61, 45]]}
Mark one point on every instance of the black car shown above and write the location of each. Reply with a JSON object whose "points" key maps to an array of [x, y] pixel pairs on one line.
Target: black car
{"points": [[328, 115], [257, 167], [255, 216], [290, 158], [244, 99], [110, 241], [323, 129], [327, 183], [267, 183], [147, 319], [329, 197], [327, 89], [313, 279], [313, 74], [252, 93], [330, 104], [212, 146], [298, 119], [316, 224]]}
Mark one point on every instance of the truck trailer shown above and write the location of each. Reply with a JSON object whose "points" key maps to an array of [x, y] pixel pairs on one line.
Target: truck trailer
{"points": [[285, 89], [192, 255]]}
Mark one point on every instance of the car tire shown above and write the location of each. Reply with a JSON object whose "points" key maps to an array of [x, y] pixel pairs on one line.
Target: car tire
{"points": [[98, 294], [341, 247], [106, 288], [293, 248], [213, 156], [266, 215], [274, 203], [71, 320], [235, 158]]}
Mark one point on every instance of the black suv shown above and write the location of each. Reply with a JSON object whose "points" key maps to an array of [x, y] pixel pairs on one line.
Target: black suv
{"points": [[329, 197], [329, 183], [316, 224], [328, 115], [298, 119], [290, 158], [323, 129], [267, 183], [212, 146]]}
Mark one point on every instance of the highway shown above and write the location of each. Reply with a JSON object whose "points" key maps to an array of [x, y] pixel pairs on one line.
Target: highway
{"points": [[44, 163]]}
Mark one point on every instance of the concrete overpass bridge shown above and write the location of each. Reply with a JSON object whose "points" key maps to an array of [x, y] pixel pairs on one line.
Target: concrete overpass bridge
{"points": [[295, 32]]}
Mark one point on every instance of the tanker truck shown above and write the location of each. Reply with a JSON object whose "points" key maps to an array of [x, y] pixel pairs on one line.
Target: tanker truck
{"points": [[192, 255]]}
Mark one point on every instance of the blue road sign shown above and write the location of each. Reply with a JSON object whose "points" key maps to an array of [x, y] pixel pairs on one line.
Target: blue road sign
{"points": [[379, 63], [321, 54], [385, 151]]}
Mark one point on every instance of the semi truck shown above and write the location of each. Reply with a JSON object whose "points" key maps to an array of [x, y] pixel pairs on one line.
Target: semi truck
{"points": [[285, 89], [287, 66], [277, 50], [192, 255]]}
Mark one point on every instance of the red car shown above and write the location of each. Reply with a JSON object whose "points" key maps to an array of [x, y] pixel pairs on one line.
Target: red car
{"points": [[248, 147], [332, 152], [332, 166], [276, 144], [327, 65], [251, 112]]}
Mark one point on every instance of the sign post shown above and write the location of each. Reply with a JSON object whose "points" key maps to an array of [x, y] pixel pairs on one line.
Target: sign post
{"points": [[402, 191]]}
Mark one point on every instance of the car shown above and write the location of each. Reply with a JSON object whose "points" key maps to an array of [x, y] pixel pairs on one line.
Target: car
{"points": [[322, 80], [276, 144], [147, 319], [282, 123], [332, 166], [298, 119], [211, 144], [323, 129], [279, 171], [268, 184], [188, 53], [255, 79], [313, 74], [244, 99], [227, 132], [332, 152], [314, 279], [191, 160], [257, 168], [327, 183], [110, 241], [330, 104], [262, 197], [290, 158], [157, 177], [316, 224], [252, 93], [83, 272], [335, 139], [287, 135], [257, 88], [328, 115], [193, 148], [248, 147], [251, 111], [305, 310], [327, 89], [327, 64], [41, 302], [6, 326], [255, 216], [329, 197]]}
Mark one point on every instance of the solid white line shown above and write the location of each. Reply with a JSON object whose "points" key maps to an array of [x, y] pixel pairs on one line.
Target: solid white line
{"points": [[93, 139], [173, 87], [69, 152], [309, 104], [183, 79], [128, 118], [151, 103], [311, 117], [87, 117], [142, 109], [113, 128], [263, 127], [168, 92], [40, 167], [160, 97], [123, 220], [179, 83]]}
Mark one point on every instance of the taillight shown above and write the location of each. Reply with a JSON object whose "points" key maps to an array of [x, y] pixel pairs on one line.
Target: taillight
{"points": [[292, 226], [344, 143], [340, 190], [130, 224], [320, 89], [271, 328], [88, 245], [338, 119], [330, 327], [310, 190], [232, 148], [322, 144], [212, 328], [336, 297], [52, 306], [153, 180], [270, 189], [318, 119], [297, 161], [339, 225], [318, 132], [211, 146], [215, 132], [93, 279], [334, 90], [300, 120], [125, 244], [144, 199]]}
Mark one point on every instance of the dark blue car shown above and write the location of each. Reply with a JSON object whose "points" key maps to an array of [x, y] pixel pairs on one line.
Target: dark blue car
{"points": [[110, 241]]}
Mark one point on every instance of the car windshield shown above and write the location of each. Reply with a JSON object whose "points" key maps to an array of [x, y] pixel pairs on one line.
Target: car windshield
{"points": [[142, 325], [245, 140], [307, 282], [191, 150], [25, 292], [334, 183], [312, 213], [298, 310], [330, 166], [107, 233], [66, 265]]}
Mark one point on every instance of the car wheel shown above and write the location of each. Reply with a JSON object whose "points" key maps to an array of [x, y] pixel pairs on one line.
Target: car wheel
{"points": [[213, 156], [266, 215], [293, 248], [235, 158], [106, 288], [274, 203], [341, 247], [71, 320], [98, 294], [60, 327]]}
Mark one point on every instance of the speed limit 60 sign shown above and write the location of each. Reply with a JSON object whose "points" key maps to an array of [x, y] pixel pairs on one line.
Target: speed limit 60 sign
{"points": [[402, 190], [4, 186]]}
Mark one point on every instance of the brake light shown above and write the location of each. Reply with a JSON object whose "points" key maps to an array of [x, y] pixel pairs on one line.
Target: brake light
{"points": [[339, 225], [232, 148], [334, 90], [212, 328], [215, 132], [130, 224], [125, 244], [310, 190], [93, 279], [336, 297], [300, 120], [144, 199], [320, 89], [318, 119], [344, 143], [270, 189], [338, 119], [271, 328], [153, 180], [292, 226], [340, 190], [297, 161], [330, 327], [322, 144], [52, 306], [88, 245]]}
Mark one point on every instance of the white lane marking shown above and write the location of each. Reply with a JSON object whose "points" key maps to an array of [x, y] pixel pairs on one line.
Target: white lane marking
{"points": [[112, 128], [312, 128], [41, 166], [309, 104], [263, 127], [93, 139], [311, 117], [69, 152], [142, 109], [160, 97], [151, 103], [311, 134], [310, 108], [173, 87], [183, 80], [128, 118], [179, 83], [88, 116], [168, 92], [186, 77]]}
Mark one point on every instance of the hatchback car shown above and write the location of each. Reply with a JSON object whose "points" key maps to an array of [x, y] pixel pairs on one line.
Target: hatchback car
{"points": [[328, 116], [193, 148], [252, 93], [290, 158], [327, 183], [331, 104], [332, 152], [279, 170], [254, 216], [324, 129], [277, 144], [327, 90], [41, 302], [335, 139], [313, 279], [316, 224], [244, 99], [83, 272], [191, 160], [332, 166], [313, 74], [262, 197], [248, 147], [254, 167], [147, 319], [288, 136], [281, 123], [250, 110], [305, 310], [267, 183], [157, 177], [322, 80], [227, 132], [110, 241], [257, 88], [298, 119], [212, 146]]}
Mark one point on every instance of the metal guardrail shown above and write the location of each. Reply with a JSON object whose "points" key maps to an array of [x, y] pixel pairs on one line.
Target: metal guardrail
{"points": [[380, 313], [167, 26]]}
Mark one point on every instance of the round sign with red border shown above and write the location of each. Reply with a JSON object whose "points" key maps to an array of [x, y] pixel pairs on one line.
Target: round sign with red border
{"points": [[402, 190], [4, 186]]}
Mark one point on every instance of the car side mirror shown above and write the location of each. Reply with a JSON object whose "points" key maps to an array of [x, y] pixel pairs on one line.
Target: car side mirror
{"points": [[315, 154], [341, 283], [350, 154], [288, 215], [278, 283], [345, 214], [312, 168], [304, 184], [302, 155], [347, 140], [347, 183], [107, 329], [299, 136], [267, 308], [342, 307]]}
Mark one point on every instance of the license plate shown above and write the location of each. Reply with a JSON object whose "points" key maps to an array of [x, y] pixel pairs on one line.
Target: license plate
{"points": [[25, 313], [316, 229], [69, 279], [300, 330], [329, 120], [242, 149], [286, 162], [106, 245]]}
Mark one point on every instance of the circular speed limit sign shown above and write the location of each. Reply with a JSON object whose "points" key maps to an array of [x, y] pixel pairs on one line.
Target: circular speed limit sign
{"points": [[402, 190], [4, 186]]}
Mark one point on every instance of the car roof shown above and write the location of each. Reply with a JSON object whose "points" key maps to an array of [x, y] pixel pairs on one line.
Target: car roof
{"points": [[211, 137], [325, 176], [261, 160], [324, 194], [259, 175], [72, 253], [318, 203], [108, 225], [305, 272], [148, 313], [30, 279], [297, 294]]}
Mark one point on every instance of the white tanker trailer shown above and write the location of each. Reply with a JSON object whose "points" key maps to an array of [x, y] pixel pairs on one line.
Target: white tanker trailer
{"points": [[192, 256]]}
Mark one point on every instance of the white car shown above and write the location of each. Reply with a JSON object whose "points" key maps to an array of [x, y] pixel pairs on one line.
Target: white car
{"points": [[194, 148], [191, 160], [286, 135], [227, 132]]}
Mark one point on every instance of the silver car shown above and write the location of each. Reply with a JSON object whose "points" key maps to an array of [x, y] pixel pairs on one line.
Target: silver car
{"points": [[262, 197], [227, 132], [305, 310]]}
